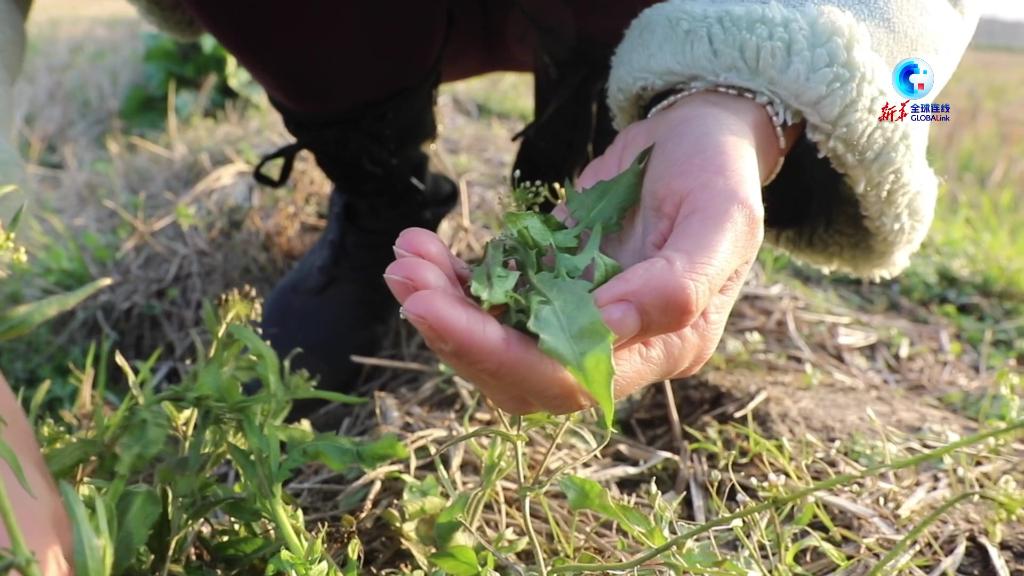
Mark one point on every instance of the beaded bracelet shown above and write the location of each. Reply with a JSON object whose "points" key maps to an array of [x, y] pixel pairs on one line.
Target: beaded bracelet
{"points": [[778, 120]]}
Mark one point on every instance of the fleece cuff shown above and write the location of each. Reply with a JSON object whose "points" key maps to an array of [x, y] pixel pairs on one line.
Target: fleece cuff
{"points": [[818, 63]]}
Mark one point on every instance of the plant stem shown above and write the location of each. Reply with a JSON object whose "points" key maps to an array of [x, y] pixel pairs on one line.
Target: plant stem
{"points": [[551, 448], [473, 434], [918, 529], [285, 529], [525, 492], [287, 532], [842, 479], [570, 465], [24, 559]]}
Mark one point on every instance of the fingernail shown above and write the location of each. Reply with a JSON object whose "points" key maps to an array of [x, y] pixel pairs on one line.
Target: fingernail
{"points": [[399, 253], [622, 318], [398, 283], [461, 266], [431, 336]]}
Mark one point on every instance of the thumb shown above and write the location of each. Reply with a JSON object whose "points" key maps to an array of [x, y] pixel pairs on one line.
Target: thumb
{"points": [[670, 290]]}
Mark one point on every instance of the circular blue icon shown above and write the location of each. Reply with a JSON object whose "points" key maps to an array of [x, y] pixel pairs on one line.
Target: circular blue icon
{"points": [[913, 78]]}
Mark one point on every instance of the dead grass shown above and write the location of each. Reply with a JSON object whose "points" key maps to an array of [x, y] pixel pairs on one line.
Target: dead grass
{"points": [[838, 385]]}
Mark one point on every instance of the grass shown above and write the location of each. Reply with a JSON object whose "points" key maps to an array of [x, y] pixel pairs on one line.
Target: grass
{"points": [[842, 427]]}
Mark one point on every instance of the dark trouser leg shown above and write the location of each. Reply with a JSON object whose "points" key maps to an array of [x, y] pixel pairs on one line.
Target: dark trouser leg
{"points": [[322, 60], [363, 103], [354, 82]]}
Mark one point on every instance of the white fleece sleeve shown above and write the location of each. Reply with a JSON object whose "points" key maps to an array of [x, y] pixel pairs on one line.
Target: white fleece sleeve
{"points": [[828, 62]]}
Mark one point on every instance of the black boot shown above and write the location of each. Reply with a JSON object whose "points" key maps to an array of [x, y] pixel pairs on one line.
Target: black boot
{"points": [[334, 303]]}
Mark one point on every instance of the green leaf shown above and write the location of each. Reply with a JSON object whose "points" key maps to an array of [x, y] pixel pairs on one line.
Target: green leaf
{"points": [[241, 547], [567, 322], [573, 265], [538, 231], [145, 433], [457, 561], [12, 225], [447, 523], [586, 494], [341, 452], [330, 396], [63, 459], [270, 366], [422, 498], [138, 509], [20, 320], [607, 202], [89, 553], [7, 455], [492, 282], [605, 268]]}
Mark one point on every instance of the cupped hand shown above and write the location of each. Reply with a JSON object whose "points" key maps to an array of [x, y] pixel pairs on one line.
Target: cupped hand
{"points": [[685, 249]]}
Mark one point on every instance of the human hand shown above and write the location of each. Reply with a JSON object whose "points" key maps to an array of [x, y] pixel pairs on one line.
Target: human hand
{"points": [[686, 250], [40, 515]]}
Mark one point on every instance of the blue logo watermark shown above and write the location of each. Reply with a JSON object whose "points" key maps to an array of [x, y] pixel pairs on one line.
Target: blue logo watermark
{"points": [[913, 78]]}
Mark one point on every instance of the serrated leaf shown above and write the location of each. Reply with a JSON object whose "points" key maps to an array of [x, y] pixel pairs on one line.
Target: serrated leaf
{"points": [[538, 231], [457, 561], [492, 283], [607, 202], [573, 265], [569, 327]]}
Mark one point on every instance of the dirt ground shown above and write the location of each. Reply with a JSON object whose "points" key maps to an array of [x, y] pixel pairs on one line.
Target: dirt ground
{"points": [[799, 357]]}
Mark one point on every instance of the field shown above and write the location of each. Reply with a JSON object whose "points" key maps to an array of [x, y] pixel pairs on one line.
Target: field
{"points": [[842, 427]]}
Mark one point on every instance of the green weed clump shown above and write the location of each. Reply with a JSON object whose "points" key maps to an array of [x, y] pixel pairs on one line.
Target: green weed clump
{"points": [[202, 76], [189, 477], [542, 273]]}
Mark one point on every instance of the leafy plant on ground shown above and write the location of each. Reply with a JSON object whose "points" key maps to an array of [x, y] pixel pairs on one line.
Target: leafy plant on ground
{"points": [[35, 289], [203, 76], [542, 273], [190, 474]]}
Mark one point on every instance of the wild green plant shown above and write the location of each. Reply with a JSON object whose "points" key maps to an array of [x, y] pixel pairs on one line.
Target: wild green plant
{"points": [[773, 527], [21, 319], [542, 272], [202, 75], [191, 473]]}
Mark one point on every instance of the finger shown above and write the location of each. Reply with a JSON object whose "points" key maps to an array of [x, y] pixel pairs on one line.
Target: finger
{"points": [[504, 363], [604, 167], [676, 355], [407, 276], [427, 245], [669, 291]]}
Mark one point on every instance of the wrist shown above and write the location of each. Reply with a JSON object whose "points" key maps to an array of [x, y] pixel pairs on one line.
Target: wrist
{"points": [[731, 116]]}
